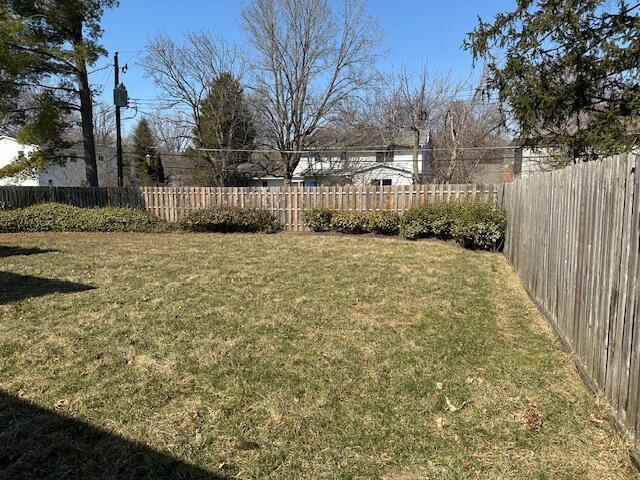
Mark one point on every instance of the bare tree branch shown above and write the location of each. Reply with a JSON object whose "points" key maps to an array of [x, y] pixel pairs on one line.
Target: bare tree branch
{"points": [[309, 61]]}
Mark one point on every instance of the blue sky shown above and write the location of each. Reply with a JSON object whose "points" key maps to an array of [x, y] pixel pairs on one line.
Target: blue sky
{"points": [[416, 31]]}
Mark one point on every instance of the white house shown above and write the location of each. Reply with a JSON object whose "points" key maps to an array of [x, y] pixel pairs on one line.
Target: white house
{"points": [[69, 173], [393, 166], [10, 151]]}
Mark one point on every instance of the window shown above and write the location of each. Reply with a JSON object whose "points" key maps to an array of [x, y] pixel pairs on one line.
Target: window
{"points": [[381, 182], [265, 183], [50, 183], [384, 156], [100, 158], [20, 153]]}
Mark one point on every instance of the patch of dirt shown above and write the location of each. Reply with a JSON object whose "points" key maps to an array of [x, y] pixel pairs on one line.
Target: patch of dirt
{"points": [[160, 365], [242, 444], [532, 417], [411, 473]]}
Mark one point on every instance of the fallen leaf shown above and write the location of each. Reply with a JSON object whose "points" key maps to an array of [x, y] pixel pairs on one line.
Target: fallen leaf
{"points": [[62, 403], [451, 407], [441, 423], [532, 416], [596, 420], [471, 380], [439, 386]]}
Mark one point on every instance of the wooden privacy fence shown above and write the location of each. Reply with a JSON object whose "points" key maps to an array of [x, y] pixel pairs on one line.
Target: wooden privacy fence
{"points": [[19, 197], [573, 237], [286, 203]]}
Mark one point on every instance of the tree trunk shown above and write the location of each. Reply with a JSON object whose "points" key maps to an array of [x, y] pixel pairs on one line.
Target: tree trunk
{"points": [[86, 110], [454, 150], [417, 177], [289, 164]]}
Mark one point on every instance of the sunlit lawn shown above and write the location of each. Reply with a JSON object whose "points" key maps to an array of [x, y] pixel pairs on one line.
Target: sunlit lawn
{"points": [[285, 356]]}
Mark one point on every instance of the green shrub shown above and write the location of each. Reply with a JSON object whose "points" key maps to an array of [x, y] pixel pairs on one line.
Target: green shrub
{"points": [[429, 220], [231, 219], [56, 217], [344, 221], [384, 222], [480, 226], [322, 219], [472, 225], [318, 219]]}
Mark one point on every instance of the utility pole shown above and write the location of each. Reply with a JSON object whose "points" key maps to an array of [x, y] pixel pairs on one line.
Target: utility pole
{"points": [[120, 99]]}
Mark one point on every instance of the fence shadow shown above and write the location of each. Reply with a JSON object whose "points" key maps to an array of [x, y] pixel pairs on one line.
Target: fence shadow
{"points": [[15, 287], [9, 251], [36, 443]]}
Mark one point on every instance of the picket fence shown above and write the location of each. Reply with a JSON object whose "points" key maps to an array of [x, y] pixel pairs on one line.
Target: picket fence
{"points": [[286, 203], [573, 237]]}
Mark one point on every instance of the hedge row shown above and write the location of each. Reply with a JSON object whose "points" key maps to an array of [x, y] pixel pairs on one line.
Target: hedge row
{"points": [[231, 219], [57, 217], [385, 222], [472, 225]]}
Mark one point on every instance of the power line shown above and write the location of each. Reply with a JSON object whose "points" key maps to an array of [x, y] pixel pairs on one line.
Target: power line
{"points": [[205, 168], [475, 162], [369, 149], [486, 101], [380, 149], [105, 67]]}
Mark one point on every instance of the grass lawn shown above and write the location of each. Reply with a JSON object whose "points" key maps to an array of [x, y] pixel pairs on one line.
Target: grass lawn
{"points": [[283, 356]]}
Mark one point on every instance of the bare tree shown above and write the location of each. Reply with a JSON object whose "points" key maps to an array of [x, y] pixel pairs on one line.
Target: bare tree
{"points": [[174, 134], [411, 106], [462, 125], [310, 60], [173, 130], [104, 124], [186, 72], [469, 132]]}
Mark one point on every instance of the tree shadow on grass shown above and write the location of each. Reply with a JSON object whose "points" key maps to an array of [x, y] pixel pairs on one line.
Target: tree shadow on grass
{"points": [[10, 251], [36, 443], [15, 287]]}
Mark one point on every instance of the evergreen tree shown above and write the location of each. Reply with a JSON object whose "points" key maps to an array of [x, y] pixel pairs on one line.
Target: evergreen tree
{"points": [[45, 49], [568, 70], [148, 162], [225, 125], [155, 170]]}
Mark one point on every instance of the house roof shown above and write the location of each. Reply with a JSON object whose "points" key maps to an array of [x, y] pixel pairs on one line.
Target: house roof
{"points": [[320, 171], [383, 166], [261, 166], [15, 140], [366, 137]]}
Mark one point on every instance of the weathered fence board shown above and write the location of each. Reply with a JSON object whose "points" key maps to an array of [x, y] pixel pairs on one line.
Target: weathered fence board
{"points": [[573, 236], [287, 203]]}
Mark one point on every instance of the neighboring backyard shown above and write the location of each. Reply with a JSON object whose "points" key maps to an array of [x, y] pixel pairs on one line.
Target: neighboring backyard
{"points": [[283, 356]]}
